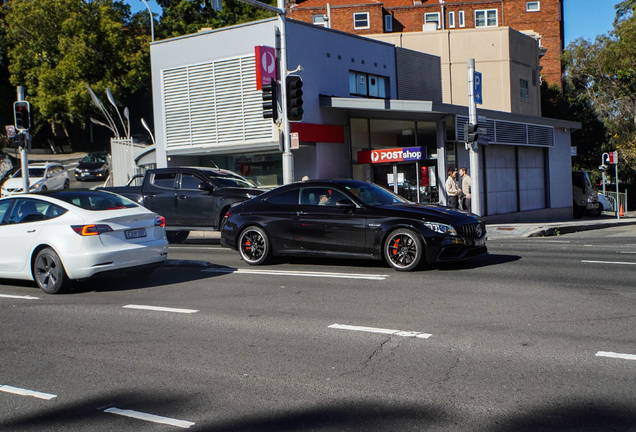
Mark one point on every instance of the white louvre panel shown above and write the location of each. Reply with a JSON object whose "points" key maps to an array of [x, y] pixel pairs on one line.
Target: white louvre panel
{"points": [[214, 103], [505, 132]]}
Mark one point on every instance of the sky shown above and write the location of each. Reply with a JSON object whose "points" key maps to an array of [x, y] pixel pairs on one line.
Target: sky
{"points": [[583, 18]]}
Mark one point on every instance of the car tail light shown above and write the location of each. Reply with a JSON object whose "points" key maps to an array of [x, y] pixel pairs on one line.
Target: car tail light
{"points": [[160, 221], [91, 230]]}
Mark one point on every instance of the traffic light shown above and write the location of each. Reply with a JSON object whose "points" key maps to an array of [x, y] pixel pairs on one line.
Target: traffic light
{"points": [[295, 109], [270, 98], [470, 132], [22, 115]]}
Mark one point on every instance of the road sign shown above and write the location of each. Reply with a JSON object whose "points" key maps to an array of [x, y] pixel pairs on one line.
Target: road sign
{"points": [[477, 88], [483, 139], [613, 157], [10, 131]]}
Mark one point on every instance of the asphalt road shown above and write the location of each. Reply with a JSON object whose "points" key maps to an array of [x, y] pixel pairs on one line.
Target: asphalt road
{"points": [[538, 336]]}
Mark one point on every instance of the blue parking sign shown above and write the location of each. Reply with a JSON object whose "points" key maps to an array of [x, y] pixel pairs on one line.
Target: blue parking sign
{"points": [[477, 88]]}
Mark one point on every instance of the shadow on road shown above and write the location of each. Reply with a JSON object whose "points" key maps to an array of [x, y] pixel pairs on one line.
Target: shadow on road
{"points": [[485, 261]]}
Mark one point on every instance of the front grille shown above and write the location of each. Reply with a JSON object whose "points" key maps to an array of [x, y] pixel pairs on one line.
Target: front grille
{"points": [[474, 230]]}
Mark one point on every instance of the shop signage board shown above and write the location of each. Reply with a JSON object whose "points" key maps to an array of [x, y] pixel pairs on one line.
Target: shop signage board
{"points": [[406, 154], [266, 65]]}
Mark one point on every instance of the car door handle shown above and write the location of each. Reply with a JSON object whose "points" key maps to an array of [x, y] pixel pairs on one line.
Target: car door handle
{"points": [[31, 231], [182, 197], [150, 196], [301, 213]]}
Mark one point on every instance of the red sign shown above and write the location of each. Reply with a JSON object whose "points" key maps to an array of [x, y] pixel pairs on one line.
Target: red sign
{"points": [[266, 65], [390, 155], [613, 157], [245, 169]]}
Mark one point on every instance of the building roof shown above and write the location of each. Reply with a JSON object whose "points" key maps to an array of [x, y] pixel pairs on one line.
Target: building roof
{"points": [[332, 3]]}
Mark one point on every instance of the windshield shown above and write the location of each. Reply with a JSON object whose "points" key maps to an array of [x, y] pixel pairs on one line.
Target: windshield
{"points": [[228, 180], [371, 194], [33, 172], [94, 158]]}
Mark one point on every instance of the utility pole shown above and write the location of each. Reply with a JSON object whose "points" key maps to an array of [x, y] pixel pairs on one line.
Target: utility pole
{"points": [[24, 158], [475, 199]]}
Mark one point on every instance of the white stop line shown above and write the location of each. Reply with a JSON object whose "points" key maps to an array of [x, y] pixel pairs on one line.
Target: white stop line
{"points": [[160, 309], [616, 355], [381, 330], [27, 297], [298, 273], [150, 417], [25, 392]]}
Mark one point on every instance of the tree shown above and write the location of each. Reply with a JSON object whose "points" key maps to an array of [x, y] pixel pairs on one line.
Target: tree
{"points": [[56, 47], [185, 17], [602, 72]]}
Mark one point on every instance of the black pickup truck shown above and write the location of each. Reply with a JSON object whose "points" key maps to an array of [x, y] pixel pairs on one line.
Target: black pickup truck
{"points": [[190, 198]]}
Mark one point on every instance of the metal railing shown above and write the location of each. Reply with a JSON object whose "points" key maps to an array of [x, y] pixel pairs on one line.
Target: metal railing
{"points": [[622, 200]]}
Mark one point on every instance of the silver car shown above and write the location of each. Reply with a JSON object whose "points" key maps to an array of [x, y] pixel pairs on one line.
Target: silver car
{"points": [[42, 176]]}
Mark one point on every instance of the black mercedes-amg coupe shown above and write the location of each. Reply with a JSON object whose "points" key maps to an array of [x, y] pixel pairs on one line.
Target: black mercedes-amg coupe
{"points": [[350, 219]]}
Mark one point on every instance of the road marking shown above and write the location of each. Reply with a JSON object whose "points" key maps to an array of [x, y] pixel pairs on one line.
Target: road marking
{"points": [[609, 262], [19, 297], [195, 248], [616, 355], [161, 309], [381, 330], [24, 392], [150, 417], [297, 273]]}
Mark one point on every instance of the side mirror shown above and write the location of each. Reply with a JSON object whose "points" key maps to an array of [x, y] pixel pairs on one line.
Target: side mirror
{"points": [[205, 186], [346, 204]]}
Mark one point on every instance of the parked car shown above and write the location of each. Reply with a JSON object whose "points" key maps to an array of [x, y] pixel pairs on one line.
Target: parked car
{"points": [[189, 198], [606, 201], [42, 177], [60, 236], [350, 219], [93, 166]]}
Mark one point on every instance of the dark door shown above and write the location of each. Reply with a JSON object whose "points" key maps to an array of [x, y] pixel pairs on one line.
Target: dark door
{"points": [[195, 207], [320, 226], [160, 195]]}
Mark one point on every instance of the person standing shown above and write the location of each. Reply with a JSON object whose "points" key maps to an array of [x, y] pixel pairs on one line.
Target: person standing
{"points": [[466, 183], [452, 189]]}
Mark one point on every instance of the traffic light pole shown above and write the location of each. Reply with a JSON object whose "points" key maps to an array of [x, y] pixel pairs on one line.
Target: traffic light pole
{"points": [[475, 188], [24, 158], [288, 157]]}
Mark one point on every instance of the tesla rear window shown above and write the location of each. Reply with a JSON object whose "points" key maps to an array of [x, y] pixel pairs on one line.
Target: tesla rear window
{"points": [[93, 200]]}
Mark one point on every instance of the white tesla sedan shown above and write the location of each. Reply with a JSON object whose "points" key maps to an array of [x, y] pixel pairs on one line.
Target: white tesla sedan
{"points": [[59, 236]]}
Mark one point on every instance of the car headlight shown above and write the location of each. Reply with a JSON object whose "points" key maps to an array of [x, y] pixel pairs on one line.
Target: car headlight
{"points": [[441, 228], [34, 186]]}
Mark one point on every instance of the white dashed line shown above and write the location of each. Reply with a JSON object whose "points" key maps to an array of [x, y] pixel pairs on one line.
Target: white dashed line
{"points": [[609, 262], [150, 417], [616, 355], [297, 273], [161, 309], [25, 392], [381, 330], [19, 297]]}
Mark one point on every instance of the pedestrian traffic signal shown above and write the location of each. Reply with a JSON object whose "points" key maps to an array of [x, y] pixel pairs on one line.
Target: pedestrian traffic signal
{"points": [[22, 115], [470, 132], [295, 109], [270, 99]]}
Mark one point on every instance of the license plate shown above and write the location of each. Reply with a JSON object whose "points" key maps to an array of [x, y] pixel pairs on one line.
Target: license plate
{"points": [[480, 242], [136, 233], [84, 174]]}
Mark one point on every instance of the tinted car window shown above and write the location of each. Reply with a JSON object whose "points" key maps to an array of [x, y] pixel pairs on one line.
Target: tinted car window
{"points": [[4, 207], [95, 200], [28, 210], [227, 180], [190, 182], [289, 197], [372, 194], [33, 172], [164, 180], [321, 196]]}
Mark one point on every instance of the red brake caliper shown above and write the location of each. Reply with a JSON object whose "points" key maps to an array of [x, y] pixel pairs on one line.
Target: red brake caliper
{"points": [[247, 244], [395, 246]]}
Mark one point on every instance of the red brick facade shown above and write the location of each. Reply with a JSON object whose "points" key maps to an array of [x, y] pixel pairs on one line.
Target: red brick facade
{"points": [[545, 23]]}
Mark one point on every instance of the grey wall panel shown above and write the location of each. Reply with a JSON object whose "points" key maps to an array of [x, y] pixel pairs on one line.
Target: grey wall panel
{"points": [[419, 75]]}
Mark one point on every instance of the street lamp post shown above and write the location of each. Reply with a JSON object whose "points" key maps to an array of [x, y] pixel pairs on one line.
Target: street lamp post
{"points": [[152, 21]]}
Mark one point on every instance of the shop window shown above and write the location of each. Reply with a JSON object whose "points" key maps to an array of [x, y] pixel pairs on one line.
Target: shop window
{"points": [[451, 20], [361, 20], [320, 20], [486, 18], [524, 89], [363, 84], [532, 6]]}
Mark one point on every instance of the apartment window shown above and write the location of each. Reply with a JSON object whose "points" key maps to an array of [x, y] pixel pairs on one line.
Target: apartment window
{"points": [[363, 84], [524, 89], [361, 20], [388, 23], [451, 20], [430, 18], [532, 6], [320, 20], [460, 17], [486, 18]]}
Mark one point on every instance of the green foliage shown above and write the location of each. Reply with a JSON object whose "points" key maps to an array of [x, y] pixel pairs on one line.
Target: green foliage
{"points": [[602, 74], [56, 47], [185, 17]]}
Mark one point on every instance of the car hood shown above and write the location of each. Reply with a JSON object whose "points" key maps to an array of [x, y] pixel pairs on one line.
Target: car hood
{"points": [[430, 212], [90, 165]]}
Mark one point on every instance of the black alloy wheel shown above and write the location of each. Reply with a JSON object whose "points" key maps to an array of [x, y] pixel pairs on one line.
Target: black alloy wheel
{"points": [[49, 272], [403, 249], [175, 237], [67, 183], [254, 246]]}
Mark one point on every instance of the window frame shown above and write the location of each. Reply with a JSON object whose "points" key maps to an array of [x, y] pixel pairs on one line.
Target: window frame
{"points": [[368, 22], [426, 14], [451, 20], [461, 19], [355, 84], [388, 23], [486, 18], [528, 3], [524, 92], [323, 23]]}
